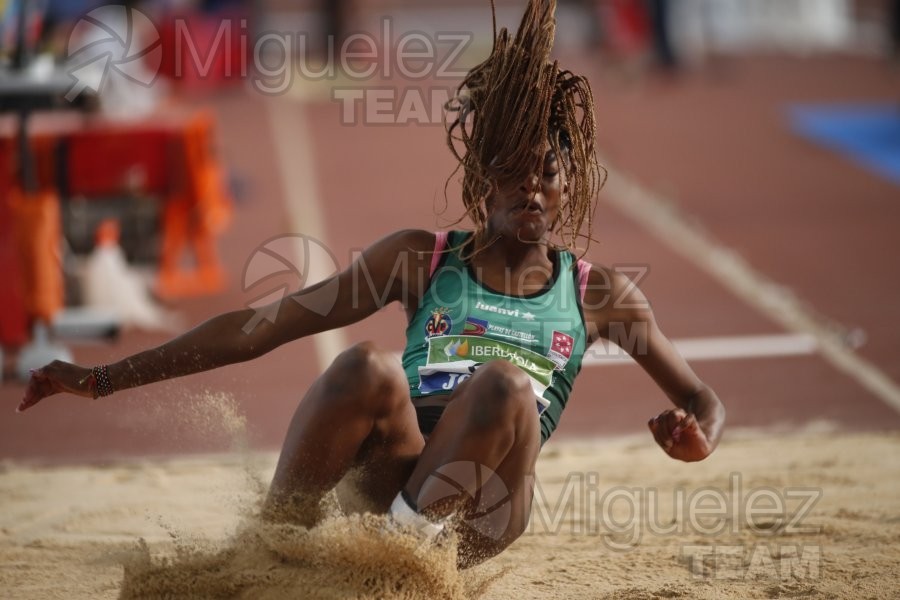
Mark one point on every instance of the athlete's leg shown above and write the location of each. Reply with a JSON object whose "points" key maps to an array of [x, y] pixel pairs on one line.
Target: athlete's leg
{"points": [[490, 425], [357, 413]]}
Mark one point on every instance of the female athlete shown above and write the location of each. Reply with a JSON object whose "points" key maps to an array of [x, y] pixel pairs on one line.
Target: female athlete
{"points": [[499, 319]]}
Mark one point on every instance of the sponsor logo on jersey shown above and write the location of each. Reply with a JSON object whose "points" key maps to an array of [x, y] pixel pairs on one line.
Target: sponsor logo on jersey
{"points": [[459, 349], [512, 334], [508, 312], [483, 327], [473, 349], [561, 349], [453, 358], [439, 323], [475, 326]]}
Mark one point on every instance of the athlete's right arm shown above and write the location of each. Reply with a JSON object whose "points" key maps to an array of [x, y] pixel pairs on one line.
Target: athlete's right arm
{"points": [[392, 269]]}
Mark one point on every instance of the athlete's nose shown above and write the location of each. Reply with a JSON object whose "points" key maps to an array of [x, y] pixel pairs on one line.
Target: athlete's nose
{"points": [[530, 184]]}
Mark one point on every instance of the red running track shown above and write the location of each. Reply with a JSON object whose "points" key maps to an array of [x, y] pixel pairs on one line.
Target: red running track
{"points": [[718, 147]]}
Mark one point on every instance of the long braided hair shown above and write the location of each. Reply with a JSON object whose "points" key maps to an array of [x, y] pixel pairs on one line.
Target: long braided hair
{"points": [[513, 104]]}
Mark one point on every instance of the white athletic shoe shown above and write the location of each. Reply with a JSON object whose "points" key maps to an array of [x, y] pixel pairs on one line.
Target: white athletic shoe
{"points": [[403, 514]]}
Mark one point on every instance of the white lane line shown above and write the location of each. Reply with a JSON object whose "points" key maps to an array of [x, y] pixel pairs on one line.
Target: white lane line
{"points": [[604, 353], [296, 165], [662, 219]]}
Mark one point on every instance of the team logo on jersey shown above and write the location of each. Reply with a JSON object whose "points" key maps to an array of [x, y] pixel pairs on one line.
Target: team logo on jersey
{"points": [[439, 323], [475, 326], [561, 349]]}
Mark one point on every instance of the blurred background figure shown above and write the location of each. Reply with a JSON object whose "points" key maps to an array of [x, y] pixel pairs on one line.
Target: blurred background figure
{"points": [[622, 33], [208, 45], [663, 51], [334, 15], [665, 34], [701, 27], [894, 21]]}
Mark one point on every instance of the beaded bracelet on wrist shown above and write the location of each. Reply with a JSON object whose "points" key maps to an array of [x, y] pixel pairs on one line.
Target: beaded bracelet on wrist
{"points": [[101, 376]]}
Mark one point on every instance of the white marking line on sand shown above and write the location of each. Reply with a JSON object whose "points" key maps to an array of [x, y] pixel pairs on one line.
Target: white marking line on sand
{"points": [[661, 218], [290, 133], [604, 353]]}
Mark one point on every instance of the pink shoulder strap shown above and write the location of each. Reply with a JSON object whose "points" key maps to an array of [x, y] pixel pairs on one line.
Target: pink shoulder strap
{"points": [[440, 242], [584, 270]]}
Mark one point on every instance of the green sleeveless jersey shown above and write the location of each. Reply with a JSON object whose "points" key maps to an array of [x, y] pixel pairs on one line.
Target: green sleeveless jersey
{"points": [[461, 324]]}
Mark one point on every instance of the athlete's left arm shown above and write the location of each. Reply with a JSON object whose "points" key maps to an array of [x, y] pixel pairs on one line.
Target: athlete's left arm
{"points": [[617, 310]]}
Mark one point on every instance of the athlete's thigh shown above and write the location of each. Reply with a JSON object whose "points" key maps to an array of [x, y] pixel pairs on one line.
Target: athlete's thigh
{"points": [[384, 462]]}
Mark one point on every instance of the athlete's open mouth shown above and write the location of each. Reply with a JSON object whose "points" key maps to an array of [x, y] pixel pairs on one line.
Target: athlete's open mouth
{"points": [[531, 206]]}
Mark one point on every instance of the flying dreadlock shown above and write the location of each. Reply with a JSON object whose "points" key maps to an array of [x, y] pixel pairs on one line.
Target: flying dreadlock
{"points": [[512, 104]]}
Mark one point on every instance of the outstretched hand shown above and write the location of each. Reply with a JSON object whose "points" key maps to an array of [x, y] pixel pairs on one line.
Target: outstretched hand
{"points": [[55, 378], [680, 435]]}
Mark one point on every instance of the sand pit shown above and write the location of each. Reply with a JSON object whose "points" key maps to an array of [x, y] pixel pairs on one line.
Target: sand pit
{"points": [[613, 519]]}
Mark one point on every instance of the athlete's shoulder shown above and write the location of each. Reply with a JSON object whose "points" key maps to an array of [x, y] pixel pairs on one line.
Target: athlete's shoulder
{"points": [[612, 286], [613, 295], [415, 237], [416, 241], [425, 242]]}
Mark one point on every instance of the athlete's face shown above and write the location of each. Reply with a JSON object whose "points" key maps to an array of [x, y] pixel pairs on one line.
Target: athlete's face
{"points": [[526, 210]]}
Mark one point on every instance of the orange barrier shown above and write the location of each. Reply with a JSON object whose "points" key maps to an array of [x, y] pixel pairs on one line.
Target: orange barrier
{"points": [[30, 260], [38, 238], [173, 160], [195, 214]]}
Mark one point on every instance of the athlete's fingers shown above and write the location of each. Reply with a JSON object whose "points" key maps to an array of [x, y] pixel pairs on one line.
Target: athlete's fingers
{"points": [[674, 417], [40, 385], [665, 427], [35, 390], [660, 432], [693, 444], [688, 425]]}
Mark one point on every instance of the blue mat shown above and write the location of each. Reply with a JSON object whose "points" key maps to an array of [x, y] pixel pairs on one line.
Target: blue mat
{"points": [[868, 134]]}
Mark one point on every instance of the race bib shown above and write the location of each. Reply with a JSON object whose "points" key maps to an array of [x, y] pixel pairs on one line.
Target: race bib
{"points": [[454, 358]]}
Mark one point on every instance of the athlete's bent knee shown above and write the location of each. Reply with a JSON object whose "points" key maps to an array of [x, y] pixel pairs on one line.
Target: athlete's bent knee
{"points": [[502, 378], [366, 371], [502, 391]]}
